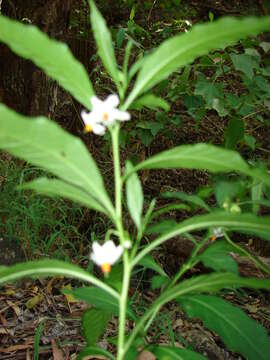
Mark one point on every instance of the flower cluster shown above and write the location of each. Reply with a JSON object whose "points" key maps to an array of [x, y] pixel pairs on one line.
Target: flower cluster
{"points": [[103, 114]]}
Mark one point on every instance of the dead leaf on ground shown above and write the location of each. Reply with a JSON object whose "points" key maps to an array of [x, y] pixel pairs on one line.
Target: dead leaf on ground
{"points": [[57, 353], [146, 355]]}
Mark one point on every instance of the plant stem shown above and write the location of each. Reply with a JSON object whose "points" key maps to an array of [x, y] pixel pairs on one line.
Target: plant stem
{"points": [[119, 224]]}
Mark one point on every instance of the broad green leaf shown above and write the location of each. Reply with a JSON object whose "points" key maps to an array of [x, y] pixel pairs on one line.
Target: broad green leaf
{"points": [[151, 101], [134, 195], [115, 278], [217, 257], [244, 223], [209, 90], [94, 350], [239, 332], [234, 132], [51, 268], [202, 156], [94, 322], [52, 56], [100, 299], [193, 199], [158, 281], [245, 63], [227, 191], [104, 42], [173, 353], [149, 262], [185, 48], [42, 142], [55, 187]]}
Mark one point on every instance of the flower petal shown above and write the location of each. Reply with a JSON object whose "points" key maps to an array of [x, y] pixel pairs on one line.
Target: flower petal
{"points": [[96, 102], [121, 115], [98, 129], [118, 251], [112, 101]]}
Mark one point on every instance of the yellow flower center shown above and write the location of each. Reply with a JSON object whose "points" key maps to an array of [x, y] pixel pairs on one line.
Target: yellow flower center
{"points": [[88, 128], [106, 268], [105, 117], [213, 238]]}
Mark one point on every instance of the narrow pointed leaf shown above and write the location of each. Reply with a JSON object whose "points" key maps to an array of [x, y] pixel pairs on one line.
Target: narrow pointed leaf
{"points": [[211, 284], [134, 196], [149, 263], [172, 353], [205, 157], [151, 101], [100, 299], [55, 188], [42, 142], [182, 49], [52, 56], [51, 268], [239, 332], [104, 42], [244, 223]]}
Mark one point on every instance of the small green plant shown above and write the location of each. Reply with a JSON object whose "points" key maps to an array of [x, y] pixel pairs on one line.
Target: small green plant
{"points": [[76, 177]]}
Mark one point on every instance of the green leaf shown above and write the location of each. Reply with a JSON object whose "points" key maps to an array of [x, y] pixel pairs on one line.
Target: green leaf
{"points": [[52, 56], [172, 353], [149, 262], [234, 132], [217, 258], [158, 281], [42, 142], [94, 323], [244, 223], [239, 332], [153, 126], [193, 199], [134, 195], [256, 195], [245, 63], [227, 191], [202, 156], [210, 284], [152, 102], [55, 187], [94, 350], [51, 268], [104, 42], [209, 91], [100, 299], [115, 278], [185, 48]]}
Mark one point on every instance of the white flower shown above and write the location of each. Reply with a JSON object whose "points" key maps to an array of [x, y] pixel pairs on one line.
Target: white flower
{"points": [[106, 255], [217, 233], [104, 113], [91, 125]]}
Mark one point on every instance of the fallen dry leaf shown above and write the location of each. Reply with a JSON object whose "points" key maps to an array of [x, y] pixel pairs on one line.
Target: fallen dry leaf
{"points": [[57, 353], [146, 355]]}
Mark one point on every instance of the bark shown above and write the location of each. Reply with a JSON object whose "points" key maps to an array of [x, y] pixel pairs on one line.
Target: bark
{"points": [[23, 86]]}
